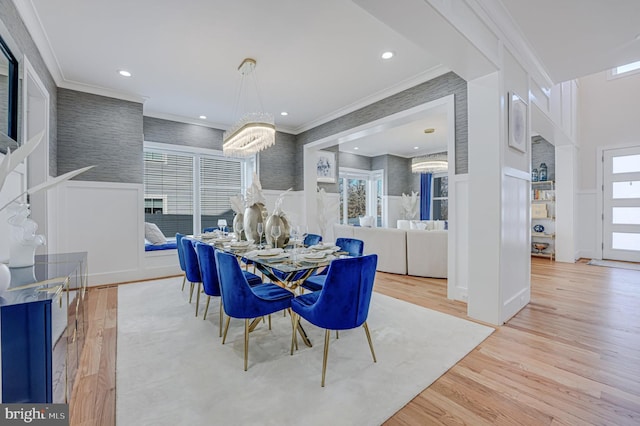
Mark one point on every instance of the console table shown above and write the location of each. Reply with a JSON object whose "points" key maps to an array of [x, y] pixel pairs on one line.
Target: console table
{"points": [[43, 328]]}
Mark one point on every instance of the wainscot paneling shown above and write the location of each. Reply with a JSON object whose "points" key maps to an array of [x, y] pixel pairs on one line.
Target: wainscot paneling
{"points": [[106, 220]]}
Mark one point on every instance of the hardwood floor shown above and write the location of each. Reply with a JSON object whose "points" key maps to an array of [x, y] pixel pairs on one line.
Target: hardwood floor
{"points": [[570, 357]]}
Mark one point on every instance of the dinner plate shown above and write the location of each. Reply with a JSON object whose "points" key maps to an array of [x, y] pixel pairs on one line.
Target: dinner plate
{"points": [[269, 252], [240, 244], [325, 247], [314, 260], [320, 255]]}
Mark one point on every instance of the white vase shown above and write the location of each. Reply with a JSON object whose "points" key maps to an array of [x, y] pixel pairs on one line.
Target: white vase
{"points": [[5, 277]]}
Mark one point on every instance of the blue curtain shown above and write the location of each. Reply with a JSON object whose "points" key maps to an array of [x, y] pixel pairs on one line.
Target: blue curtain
{"points": [[425, 196]]}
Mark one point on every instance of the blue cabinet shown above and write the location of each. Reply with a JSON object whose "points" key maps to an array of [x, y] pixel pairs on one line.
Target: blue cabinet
{"points": [[42, 329]]}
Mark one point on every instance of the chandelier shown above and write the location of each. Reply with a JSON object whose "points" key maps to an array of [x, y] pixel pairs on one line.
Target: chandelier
{"points": [[254, 131], [432, 163]]}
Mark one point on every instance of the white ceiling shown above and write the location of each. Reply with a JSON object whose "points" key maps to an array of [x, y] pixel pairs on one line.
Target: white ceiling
{"points": [[316, 60]]}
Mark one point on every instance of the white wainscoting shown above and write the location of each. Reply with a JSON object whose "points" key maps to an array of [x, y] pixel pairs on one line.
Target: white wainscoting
{"points": [[106, 220], [515, 258], [458, 256], [292, 205], [587, 224], [393, 206]]}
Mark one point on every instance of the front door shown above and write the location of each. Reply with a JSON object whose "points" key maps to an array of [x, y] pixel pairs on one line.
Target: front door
{"points": [[621, 204]]}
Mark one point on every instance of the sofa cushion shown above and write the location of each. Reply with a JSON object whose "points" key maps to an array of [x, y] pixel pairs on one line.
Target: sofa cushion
{"points": [[389, 244], [154, 234], [427, 253]]}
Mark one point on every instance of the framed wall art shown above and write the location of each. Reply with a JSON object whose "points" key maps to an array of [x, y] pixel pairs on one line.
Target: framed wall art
{"points": [[326, 166], [518, 116]]}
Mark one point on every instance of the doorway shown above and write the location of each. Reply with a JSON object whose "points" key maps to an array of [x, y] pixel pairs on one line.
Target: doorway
{"points": [[621, 204]]}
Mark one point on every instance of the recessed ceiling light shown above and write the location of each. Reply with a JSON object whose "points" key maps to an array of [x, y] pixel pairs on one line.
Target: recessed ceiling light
{"points": [[284, 113], [124, 73], [429, 130], [415, 147], [203, 117], [387, 55], [356, 148]]}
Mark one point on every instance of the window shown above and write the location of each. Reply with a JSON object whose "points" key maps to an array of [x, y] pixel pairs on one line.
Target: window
{"points": [[360, 195], [440, 197], [624, 70], [189, 189]]}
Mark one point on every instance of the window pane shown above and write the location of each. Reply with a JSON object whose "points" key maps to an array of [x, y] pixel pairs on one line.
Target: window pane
{"points": [[626, 164], [356, 200], [341, 191], [625, 241], [170, 177], [441, 187], [440, 209], [379, 203], [629, 189], [220, 179], [628, 67], [626, 215]]}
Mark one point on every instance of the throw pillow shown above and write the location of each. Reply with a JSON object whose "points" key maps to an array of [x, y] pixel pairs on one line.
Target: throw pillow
{"points": [[154, 234]]}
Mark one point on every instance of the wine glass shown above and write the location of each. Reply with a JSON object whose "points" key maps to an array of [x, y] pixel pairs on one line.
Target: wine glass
{"points": [[222, 224], [275, 233], [238, 229], [260, 231]]}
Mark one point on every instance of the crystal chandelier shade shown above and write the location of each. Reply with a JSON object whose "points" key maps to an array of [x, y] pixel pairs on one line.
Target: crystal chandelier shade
{"points": [[433, 163], [254, 131]]}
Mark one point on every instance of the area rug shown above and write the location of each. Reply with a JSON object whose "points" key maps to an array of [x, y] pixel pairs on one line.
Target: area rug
{"points": [[173, 370], [615, 264]]}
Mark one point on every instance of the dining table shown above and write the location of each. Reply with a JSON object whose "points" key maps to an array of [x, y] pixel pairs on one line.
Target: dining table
{"points": [[287, 267]]}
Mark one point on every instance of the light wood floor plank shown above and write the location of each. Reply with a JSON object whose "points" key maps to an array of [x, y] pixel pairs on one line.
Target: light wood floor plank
{"points": [[569, 357]]}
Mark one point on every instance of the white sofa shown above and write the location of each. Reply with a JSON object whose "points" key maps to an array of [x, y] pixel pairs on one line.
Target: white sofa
{"points": [[427, 253], [412, 252]]}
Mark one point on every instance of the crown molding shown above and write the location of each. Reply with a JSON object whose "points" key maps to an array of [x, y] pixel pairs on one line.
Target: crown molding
{"points": [[496, 16], [31, 19], [427, 75], [101, 91], [186, 120]]}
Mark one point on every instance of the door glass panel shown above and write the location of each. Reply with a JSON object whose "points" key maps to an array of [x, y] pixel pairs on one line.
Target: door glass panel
{"points": [[625, 241], [379, 202], [356, 200], [628, 189], [341, 192], [441, 209], [626, 164], [626, 215]]}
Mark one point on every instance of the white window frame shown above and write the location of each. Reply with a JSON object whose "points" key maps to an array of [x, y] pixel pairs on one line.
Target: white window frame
{"points": [[248, 165], [162, 197], [615, 73], [433, 179], [371, 176]]}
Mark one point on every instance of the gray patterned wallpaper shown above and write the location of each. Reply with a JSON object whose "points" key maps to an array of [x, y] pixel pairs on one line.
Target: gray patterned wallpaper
{"points": [[543, 152], [277, 163], [354, 161], [103, 131], [441, 86], [176, 133], [15, 33]]}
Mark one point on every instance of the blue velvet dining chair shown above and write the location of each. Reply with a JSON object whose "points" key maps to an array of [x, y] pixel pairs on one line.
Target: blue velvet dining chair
{"points": [[179, 238], [192, 268], [209, 229], [312, 240], [342, 304], [351, 246], [209, 275], [243, 301]]}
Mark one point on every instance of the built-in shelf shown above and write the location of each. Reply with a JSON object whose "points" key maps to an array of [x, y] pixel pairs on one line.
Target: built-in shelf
{"points": [[543, 210], [542, 235]]}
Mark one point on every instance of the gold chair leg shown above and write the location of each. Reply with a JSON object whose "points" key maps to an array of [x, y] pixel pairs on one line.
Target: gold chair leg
{"points": [[226, 328], [337, 335], [197, 298], [184, 280], [191, 292], [206, 308], [294, 336], [269, 321], [327, 334], [366, 330], [221, 318], [246, 343]]}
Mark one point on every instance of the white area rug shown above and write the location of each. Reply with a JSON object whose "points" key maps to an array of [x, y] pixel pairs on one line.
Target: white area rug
{"points": [[615, 264], [173, 370]]}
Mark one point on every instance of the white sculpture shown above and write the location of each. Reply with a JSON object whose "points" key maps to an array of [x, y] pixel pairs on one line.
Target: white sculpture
{"points": [[410, 205], [325, 211], [23, 238]]}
